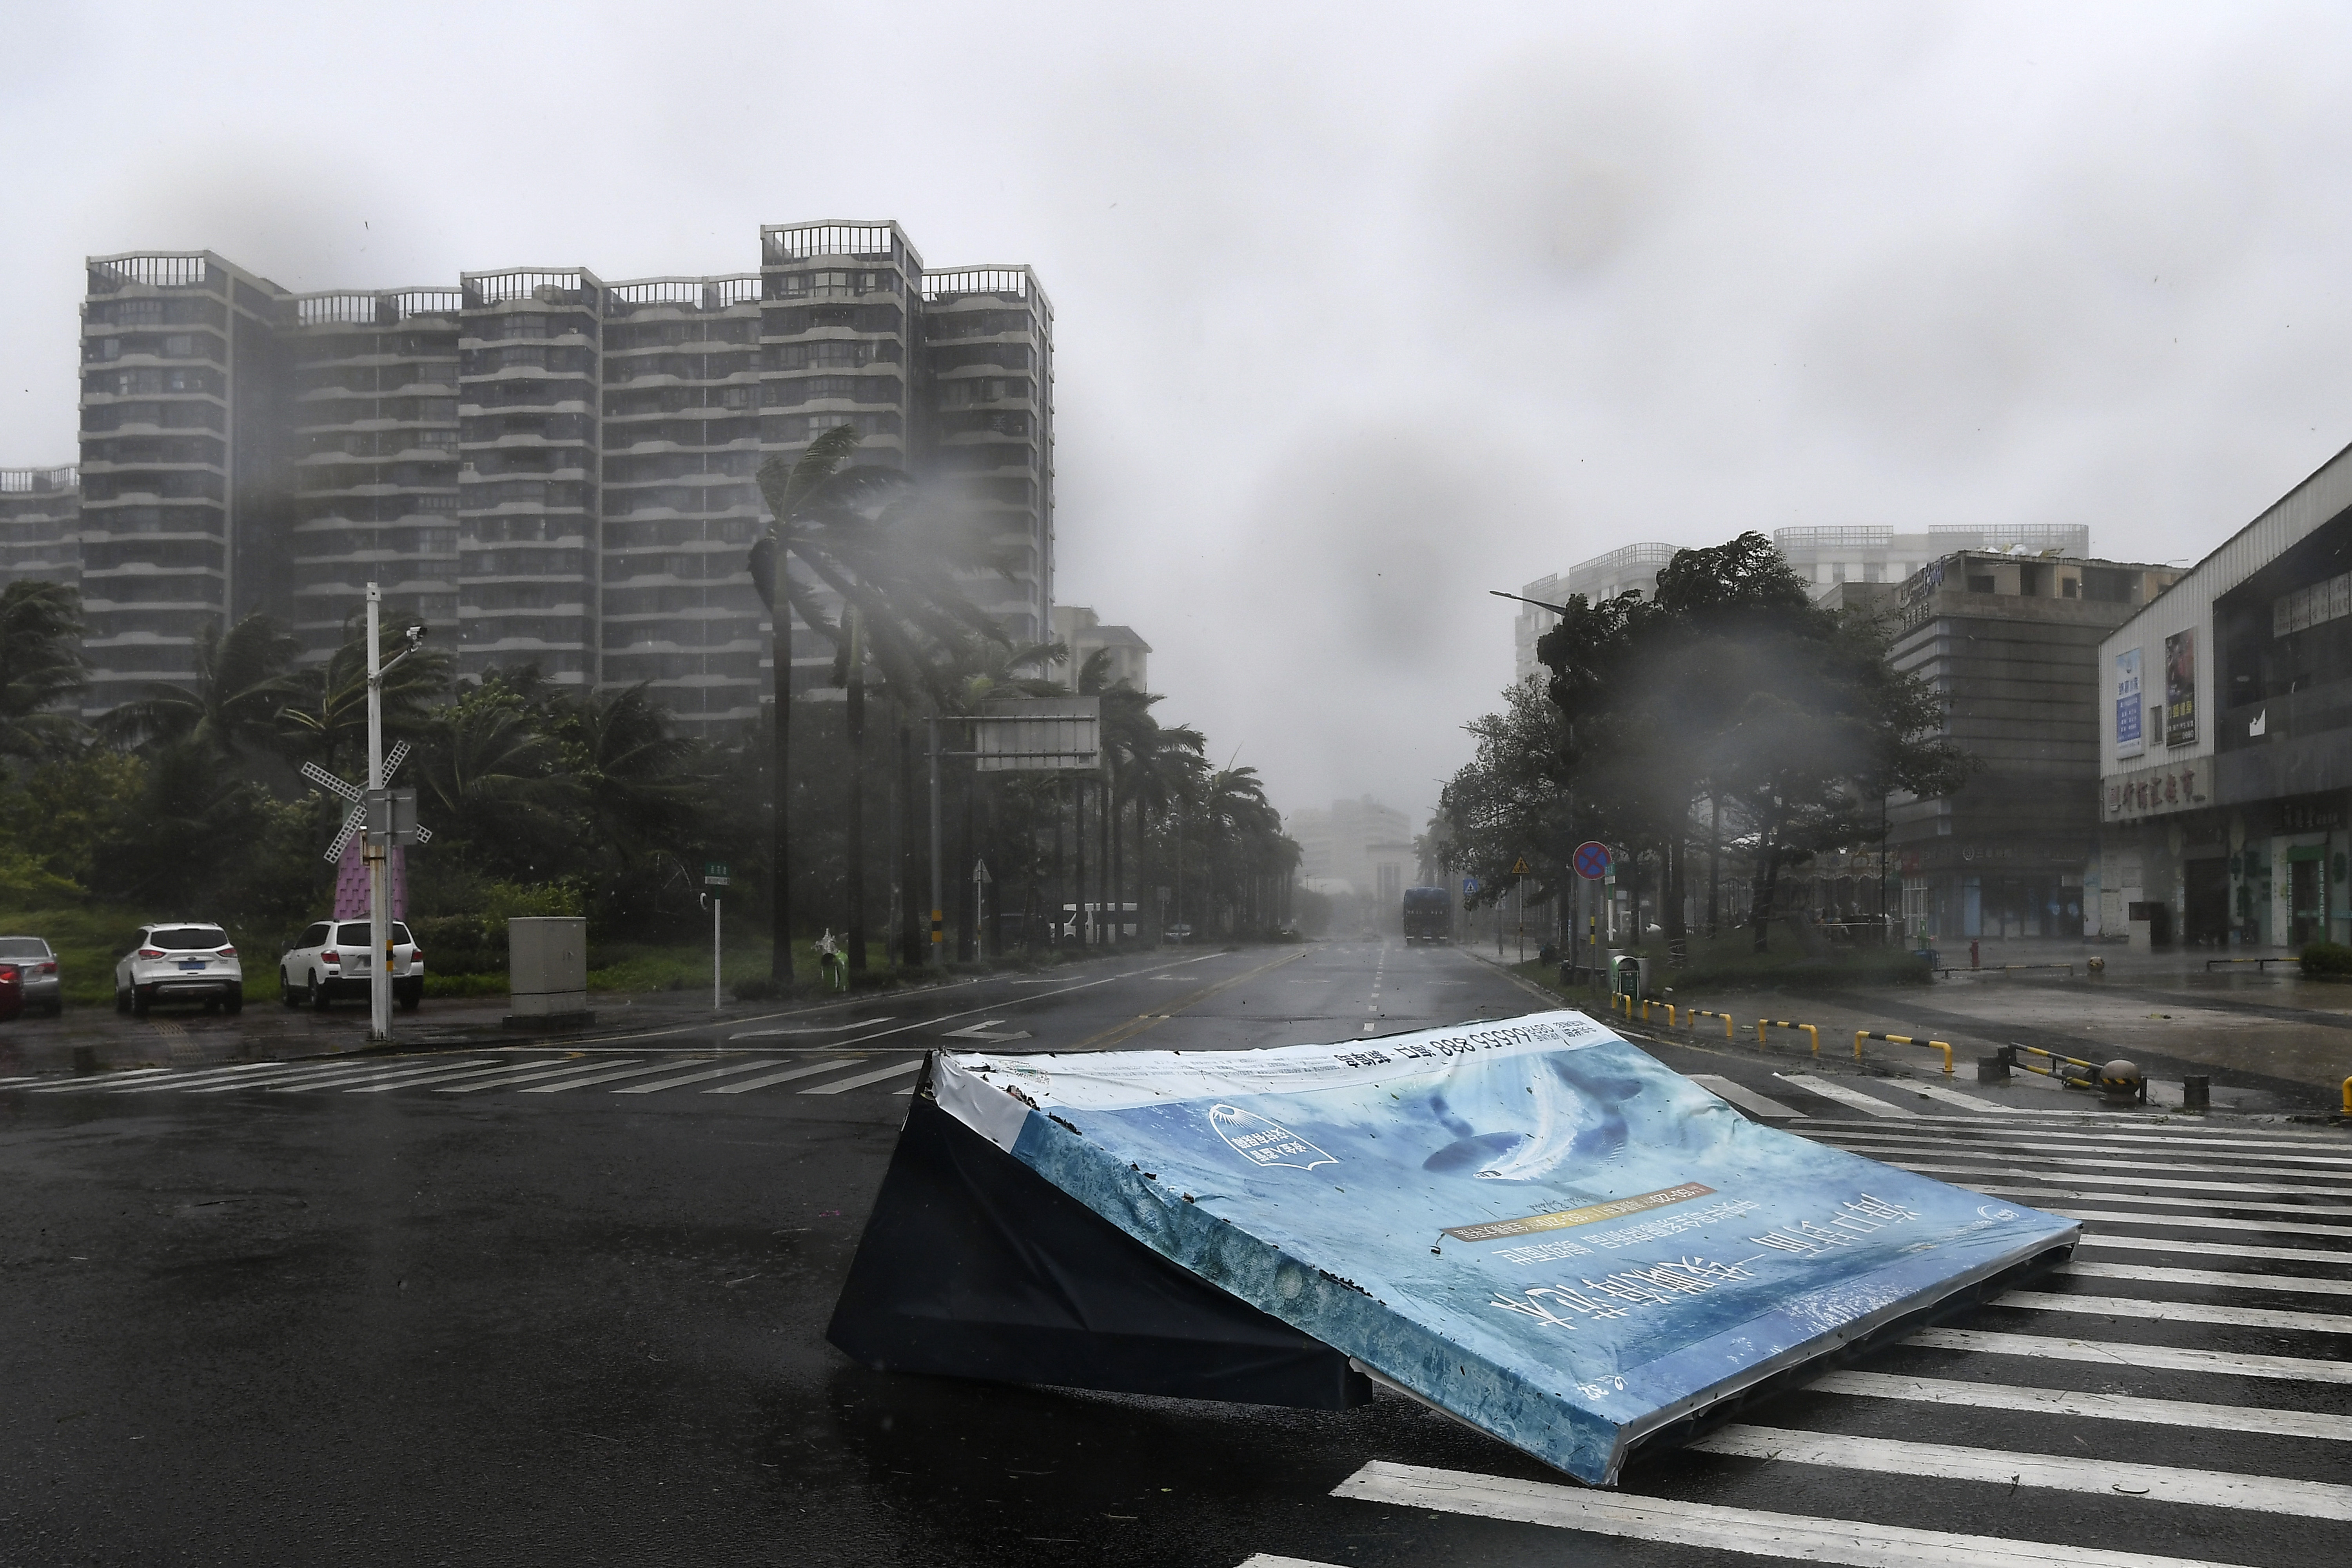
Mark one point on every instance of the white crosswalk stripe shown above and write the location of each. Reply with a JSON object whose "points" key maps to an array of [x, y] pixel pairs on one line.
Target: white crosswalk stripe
{"points": [[1748, 1099], [860, 1080], [2129, 1386], [745, 1073], [1847, 1094], [2063, 1472]]}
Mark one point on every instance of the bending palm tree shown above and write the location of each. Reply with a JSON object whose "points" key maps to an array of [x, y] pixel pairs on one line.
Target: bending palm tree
{"points": [[861, 539], [240, 682]]}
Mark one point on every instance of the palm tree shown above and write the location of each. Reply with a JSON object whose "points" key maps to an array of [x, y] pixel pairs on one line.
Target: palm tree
{"points": [[493, 775], [323, 711], [240, 683], [41, 665], [860, 538]]}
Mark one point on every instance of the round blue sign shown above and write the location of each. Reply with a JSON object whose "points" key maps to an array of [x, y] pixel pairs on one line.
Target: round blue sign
{"points": [[1469, 886], [1592, 861]]}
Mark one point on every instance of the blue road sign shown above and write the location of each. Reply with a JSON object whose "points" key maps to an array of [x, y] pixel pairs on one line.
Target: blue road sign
{"points": [[1469, 886], [1592, 860]]}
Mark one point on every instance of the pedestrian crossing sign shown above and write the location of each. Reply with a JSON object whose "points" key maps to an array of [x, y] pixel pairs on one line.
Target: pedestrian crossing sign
{"points": [[1519, 866]]}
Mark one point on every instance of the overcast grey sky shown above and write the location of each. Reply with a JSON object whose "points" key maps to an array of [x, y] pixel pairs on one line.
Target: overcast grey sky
{"points": [[1362, 309]]}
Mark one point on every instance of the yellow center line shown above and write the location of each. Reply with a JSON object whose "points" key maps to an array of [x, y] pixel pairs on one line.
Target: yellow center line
{"points": [[1136, 1025]]}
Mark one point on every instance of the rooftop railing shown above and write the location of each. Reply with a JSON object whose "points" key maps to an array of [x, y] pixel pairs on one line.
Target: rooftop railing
{"points": [[376, 310], [798, 242], [2073, 537], [161, 269], [574, 286], [1849, 537], [30, 481], [1011, 282], [682, 293]]}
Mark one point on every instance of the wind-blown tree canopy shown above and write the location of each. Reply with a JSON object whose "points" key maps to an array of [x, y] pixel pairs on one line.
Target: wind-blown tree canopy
{"points": [[1733, 686], [324, 715], [232, 706], [41, 665]]}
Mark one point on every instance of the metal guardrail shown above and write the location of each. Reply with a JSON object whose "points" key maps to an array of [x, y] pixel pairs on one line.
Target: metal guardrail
{"points": [[1763, 1023], [2001, 968], [2257, 962], [1862, 1035]]}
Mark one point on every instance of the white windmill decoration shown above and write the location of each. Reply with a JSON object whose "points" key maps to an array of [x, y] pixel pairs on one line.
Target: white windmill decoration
{"points": [[350, 877]]}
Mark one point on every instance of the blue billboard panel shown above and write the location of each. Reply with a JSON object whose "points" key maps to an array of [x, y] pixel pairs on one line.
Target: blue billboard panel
{"points": [[1530, 1223]]}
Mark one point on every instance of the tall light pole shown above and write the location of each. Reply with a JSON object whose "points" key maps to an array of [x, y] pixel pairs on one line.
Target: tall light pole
{"points": [[375, 843]]}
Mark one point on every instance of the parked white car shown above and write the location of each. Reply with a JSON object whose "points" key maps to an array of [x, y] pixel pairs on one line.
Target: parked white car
{"points": [[44, 988], [179, 961], [330, 959]]}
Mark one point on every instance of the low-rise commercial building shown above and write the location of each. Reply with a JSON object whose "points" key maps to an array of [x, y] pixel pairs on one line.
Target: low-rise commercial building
{"points": [[2012, 644], [2225, 749]]}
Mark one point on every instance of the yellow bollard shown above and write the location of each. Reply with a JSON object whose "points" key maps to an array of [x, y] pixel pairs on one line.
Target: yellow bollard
{"points": [[1862, 1035], [1783, 1024], [2348, 1097]]}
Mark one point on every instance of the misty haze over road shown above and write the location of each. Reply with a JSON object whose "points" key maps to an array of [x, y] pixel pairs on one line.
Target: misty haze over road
{"points": [[1357, 316]]}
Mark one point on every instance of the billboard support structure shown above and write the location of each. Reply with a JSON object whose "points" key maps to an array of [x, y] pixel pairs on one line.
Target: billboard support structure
{"points": [[1050, 734]]}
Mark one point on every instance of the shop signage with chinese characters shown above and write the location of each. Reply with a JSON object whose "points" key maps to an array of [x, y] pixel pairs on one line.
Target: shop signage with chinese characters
{"points": [[2181, 687], [2152, 791], [2130, 741]]}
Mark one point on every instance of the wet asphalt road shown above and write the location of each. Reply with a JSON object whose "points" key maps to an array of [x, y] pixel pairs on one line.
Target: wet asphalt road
{"points": [[466, 1309]]}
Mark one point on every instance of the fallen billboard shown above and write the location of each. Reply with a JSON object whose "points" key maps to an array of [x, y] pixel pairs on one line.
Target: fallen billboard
{"points": [[1529, 1223]]}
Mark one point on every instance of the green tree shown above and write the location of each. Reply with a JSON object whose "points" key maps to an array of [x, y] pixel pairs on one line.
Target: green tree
{"points": [[322, 716], [230, 707], [41, 665]]}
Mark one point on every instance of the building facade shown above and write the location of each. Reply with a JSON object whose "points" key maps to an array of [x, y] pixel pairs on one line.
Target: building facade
{"points": [[1826, 556], [2011, 644], [2226, 738], [40, 513], [1126, 656], [546, 467], [1360, 842]]}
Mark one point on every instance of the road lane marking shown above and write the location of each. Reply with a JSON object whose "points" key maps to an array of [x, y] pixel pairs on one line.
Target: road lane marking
{"points": [[1699, 1526], [2066, 1165], [861, 1079], [1134, 1027], [2235, 1205], [212, 1075], [730, 1070], [2156, 1483], [1953, 1097], [2177, 1312], [2133, 1357], [2267, 1190], [457, 1073], [1845, 1096], [305, 1073], [2304, 1424], [814, 1028], [308, 1085], [809, 1070], [2058, 1146], [2180, 1221], [103, 1080], [1723, 1089], [2219, 1248], [2074, 1135], [2290, 1284], [595, 1078], [560, 1070]]}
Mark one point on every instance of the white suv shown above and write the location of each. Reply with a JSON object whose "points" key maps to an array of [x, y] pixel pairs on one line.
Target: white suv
{"points": [[179, 961], [330, 959]]}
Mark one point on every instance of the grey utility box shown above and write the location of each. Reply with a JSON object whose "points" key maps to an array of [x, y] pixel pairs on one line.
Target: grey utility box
{"points": [[547, 969]]}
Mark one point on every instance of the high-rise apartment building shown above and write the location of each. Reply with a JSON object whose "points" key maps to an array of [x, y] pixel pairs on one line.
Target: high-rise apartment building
{"points": [[374, 471], [39, 512], [552, 469]]}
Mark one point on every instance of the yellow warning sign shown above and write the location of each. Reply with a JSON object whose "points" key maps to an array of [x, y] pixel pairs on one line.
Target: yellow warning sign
{"points": [[1519, 867]]}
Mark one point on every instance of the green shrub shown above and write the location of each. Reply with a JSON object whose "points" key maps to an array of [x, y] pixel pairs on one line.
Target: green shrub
{"points": [[2327, 958]]}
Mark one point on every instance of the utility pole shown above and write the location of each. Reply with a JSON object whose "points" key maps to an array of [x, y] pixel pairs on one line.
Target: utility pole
{"points": [[376, 848]]}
